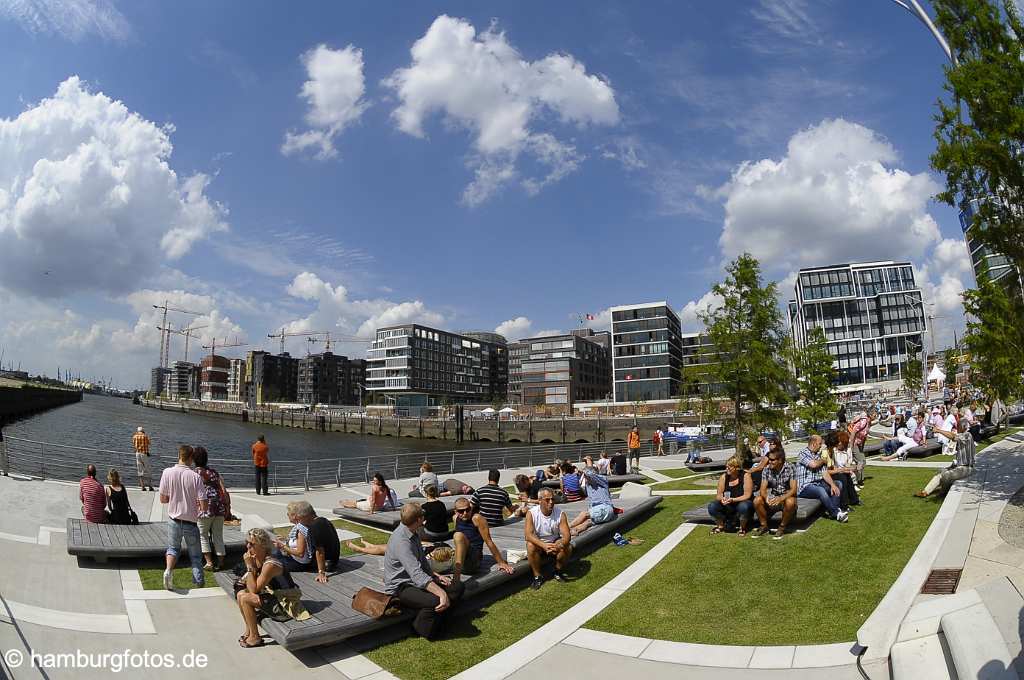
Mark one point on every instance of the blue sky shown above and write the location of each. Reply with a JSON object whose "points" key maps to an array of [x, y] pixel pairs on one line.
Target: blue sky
{"points": [[528, 163]]}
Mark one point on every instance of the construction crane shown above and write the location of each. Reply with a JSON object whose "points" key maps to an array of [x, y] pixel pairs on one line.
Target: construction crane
{"points": [[214, 345], [288, 334], [165, 334], [187, 332], [338, 338]]}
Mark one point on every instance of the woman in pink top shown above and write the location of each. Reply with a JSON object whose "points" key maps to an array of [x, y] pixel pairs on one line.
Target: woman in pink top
{"points": [[381, 497]]}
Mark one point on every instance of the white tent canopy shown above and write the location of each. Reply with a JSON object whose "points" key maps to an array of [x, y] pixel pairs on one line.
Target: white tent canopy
{"points": [[488, 411], [508, 409], [936, 374]]}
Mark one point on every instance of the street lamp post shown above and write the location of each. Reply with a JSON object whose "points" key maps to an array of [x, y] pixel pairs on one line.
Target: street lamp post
{"points": [[915, 9]]}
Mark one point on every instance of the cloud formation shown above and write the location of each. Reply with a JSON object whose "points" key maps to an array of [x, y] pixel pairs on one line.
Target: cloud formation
{"points": [[71, 19], [515, 329], [334, 93], [481, 83], [88, 200]]}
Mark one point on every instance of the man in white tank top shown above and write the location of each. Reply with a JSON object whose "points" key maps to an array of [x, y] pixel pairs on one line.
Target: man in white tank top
{"points": [[547, 534]]}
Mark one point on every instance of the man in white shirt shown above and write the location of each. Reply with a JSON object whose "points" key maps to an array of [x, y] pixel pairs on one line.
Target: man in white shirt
{"points": [[547, 534]]}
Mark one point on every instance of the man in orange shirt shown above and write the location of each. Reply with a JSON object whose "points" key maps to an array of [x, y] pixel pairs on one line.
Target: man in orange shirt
{"points": [[633, 442], [140, 440], [261, 461]]}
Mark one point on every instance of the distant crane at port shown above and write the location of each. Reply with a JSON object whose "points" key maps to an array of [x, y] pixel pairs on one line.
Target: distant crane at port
{"points": [[165, 334], [338, 338], [223, 345], [289, 334], [188, 332]]}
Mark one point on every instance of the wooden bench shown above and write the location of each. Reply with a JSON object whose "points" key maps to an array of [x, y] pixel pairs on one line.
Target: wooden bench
{"points": [[706, 467], [805, 509], [330, 605], [146, 539]]}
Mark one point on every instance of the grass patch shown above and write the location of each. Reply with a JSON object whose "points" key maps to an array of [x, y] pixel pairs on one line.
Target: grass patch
{"points": [[475, 636], [998, 438], [937, 458], [706, 482], [765, 580], [676, 473]]}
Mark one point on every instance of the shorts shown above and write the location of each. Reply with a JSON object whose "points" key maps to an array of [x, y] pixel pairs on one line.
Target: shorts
{"points": [[599, 514], [363, 505], [770, 510]]}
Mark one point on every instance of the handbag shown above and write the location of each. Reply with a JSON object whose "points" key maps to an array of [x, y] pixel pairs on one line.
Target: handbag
{"points": [[132, 517], [373, 604]]}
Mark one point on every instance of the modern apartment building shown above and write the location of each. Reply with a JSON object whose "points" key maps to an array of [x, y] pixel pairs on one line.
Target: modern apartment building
{"points": [[213, 378], [415, 366], [517, 351], [158, 380], [271, 378], [352, 380], [698, 352], [872, 314], [560, 370], [986, 263], [236, 380], [318, 379], [647, 352], [183, 382]]}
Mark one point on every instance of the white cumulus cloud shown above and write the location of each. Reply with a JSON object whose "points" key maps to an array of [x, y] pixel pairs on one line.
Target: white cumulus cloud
{"points": [[514, 329], [334, 92], [481, 83], [88, 200], [689, 319]]}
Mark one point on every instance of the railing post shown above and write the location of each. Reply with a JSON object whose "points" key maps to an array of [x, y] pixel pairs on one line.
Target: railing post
{"points": [[5, 463], [306, 480], [42, 462], [366, 475], [452, 472], [337, 476], [396, 468]]}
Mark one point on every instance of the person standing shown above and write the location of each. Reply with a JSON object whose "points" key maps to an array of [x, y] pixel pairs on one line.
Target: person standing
{"points": [[93, 497], [633, 443], [261, 462], [858, 435], [180, 488], [841, 415], [656, 442], [140, 442]]}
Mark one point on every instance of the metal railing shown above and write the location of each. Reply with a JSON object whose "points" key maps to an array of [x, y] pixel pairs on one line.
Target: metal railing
{"points": [[49, 460]]}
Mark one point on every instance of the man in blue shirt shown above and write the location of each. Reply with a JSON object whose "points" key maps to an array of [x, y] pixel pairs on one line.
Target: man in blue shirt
{"points": [[814, 481], [601, 509]]}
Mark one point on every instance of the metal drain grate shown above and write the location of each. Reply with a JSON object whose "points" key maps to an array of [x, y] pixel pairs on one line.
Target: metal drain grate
{"points": [[941, 582]]}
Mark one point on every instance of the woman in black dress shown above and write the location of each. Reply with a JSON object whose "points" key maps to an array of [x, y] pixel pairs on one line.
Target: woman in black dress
{"points": [[118, 507]]}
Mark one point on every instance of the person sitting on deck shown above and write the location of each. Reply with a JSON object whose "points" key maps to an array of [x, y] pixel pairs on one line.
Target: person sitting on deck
{"points": [[963, 461], [619, 463], [471, 534], [604, 464], [326, 546], [600, 510], [570, 483], [435, 515], [263, 571], [297, 552], [410, 579], [841, 467], [778, 493], [909, 434], [527, 489], [381, 497], [427, 477], [117, 498], [491, 500], [814, 481], [547, 534], [93, 497], [733, 500]]}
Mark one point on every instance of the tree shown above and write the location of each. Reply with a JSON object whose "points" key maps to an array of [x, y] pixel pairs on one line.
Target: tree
{"points": [[746, 334], [912, 378], [812, 365], [981, 155], [951, 363], [995, 339]]}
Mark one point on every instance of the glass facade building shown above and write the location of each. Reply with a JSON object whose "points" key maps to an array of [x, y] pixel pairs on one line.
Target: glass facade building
{"points": [[647, 352], [556, 371], [872, 314], [986, 263]]}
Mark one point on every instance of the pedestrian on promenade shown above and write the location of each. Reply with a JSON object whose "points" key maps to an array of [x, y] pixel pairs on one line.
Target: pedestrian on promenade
{"points": [[212, 510], [180, 487], [656, 443], [633, 443], [140, 441], [261, 462], [93, 497]]}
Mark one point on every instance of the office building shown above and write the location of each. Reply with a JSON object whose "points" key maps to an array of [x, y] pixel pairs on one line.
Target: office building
{"points": [[416, 367], [698, 353], [647, 353], [872, 314], [236, 380], [271, 378], [986, 263], [560, 370], [213, 378], [318, 379], [517, 351], [183, 382], [352, 380], [158, 380]]}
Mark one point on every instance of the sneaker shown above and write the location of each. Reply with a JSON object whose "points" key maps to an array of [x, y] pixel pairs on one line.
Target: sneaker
{"points": [[843, 516], [779, 533], [561, 577], [619, 540], [168, 580], [537, 583]]}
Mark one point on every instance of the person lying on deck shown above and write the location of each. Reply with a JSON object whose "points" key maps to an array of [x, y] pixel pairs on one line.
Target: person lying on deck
{"points": [[409, 577], [547, 535], [471, 534], [778, 493], [733, 500], [381, 497], [600, 510], [453, 487]]}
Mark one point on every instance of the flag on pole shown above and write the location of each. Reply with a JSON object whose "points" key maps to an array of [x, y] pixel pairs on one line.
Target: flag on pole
{"points": [[590, 317]]}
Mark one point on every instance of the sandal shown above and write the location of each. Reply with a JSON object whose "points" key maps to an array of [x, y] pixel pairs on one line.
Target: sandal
{"points": [[245, 644], [716, 530], [741, 533]]}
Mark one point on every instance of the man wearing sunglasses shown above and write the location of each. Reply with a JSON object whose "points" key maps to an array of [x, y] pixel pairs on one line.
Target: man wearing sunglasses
{"points": [[471, 533], [547, 534]]}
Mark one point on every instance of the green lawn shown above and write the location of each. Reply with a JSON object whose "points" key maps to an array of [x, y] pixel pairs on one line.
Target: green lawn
{"points": [[475, 636], [937, 458], [153, 577], [706, 482], [999, 437], [677, 473], [766, 580]]}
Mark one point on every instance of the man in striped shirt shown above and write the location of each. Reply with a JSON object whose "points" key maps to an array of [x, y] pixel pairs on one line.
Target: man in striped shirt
{"points": [[93, 497], [490, 500]]}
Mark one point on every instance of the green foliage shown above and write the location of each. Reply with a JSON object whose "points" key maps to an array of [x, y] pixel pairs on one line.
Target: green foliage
{"points": [[913, 381], [747, 336], [812, 365], [981, 155], [951, 363], [995, 339]]}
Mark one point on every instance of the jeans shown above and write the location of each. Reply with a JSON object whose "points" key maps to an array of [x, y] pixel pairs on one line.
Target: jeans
{"points": [[847, 494], [946, 478], [176, 530], [822, 492], [906, 444], [744, 509], [262, 477], [427, 621]]}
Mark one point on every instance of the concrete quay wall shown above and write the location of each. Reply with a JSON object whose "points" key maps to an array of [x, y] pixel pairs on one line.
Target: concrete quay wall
{"points": [[17, 402], [540, 431]]}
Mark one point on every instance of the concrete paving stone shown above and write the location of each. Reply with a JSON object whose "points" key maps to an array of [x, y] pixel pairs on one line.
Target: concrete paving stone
{"points": [[780, 656], [46, 576], [925, 617], [991, 511], [823, 656], [1004, 554], [978, 571], [692, 654], [924, 657], [986, 537], [1005, 604], [612, 643], [976, 645], [348, 662], [953, 551]]}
